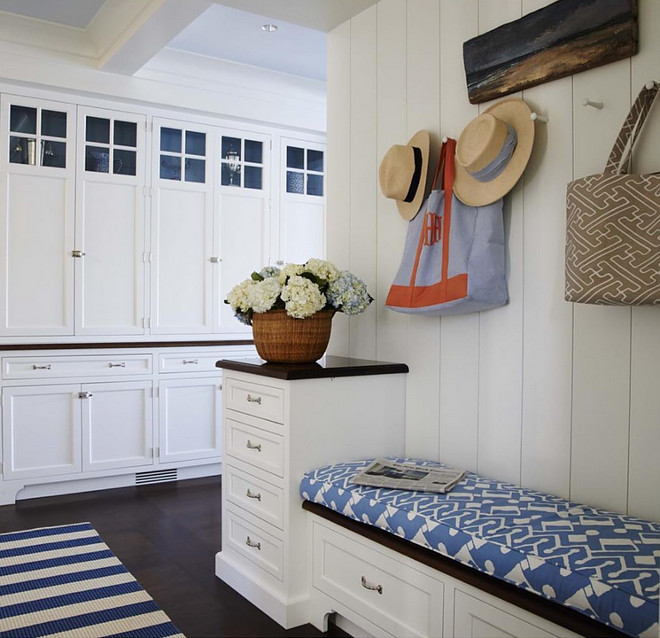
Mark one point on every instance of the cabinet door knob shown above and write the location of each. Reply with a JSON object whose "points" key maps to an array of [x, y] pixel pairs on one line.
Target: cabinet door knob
{"points": [[77, 253], [215, 260], [251, 399], [366, 585], [251, 446], [256, 496], [251, 543], [84, 395]]}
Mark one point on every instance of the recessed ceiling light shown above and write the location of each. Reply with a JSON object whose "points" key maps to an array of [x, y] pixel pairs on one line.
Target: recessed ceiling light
{"points": [[269, 27]]}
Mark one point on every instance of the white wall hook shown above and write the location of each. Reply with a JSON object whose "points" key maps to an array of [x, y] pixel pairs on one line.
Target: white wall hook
{"points": [[595, 103], [540, 118], [651, 85], [444, 140]]}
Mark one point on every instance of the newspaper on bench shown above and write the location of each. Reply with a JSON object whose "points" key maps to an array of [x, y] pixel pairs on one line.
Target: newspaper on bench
{"points": [[408, 476]]}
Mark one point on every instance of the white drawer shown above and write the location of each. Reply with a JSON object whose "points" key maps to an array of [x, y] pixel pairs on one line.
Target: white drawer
{"points": [[263, 401], [189, 362], [260, 448], [254, 495], [253, 543], [74, 366], [393, 595]]}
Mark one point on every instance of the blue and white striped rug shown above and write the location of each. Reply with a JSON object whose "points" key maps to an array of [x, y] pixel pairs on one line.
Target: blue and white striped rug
{"points": [[65, 581]]}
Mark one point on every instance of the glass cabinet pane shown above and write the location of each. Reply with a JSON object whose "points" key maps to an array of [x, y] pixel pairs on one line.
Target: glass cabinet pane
{"points": [[195, 143], [125, 134], [23, 119], [295, 182], [314, 160], [195, 170], [295, 157], [18, 149], [231, 148], [170, 167], [170, 140], [53, 153], [254, 152], [230, 174], [315, 185], [53, 123], [97, 159], [124, 162], [253, 177], [98, 130]]}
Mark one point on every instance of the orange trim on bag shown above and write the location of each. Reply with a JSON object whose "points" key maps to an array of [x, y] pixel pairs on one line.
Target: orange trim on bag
{"points": [[422, 296]]}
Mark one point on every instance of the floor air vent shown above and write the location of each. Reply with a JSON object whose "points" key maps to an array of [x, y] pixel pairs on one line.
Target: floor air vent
{"points": [[158, 476]]}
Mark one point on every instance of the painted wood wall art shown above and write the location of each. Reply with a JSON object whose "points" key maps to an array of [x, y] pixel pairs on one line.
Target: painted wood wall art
{"points": [[563, 38]]}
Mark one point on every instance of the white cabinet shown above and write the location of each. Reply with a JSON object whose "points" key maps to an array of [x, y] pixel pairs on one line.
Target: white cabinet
{"points": [[190, 418], [277, 425], [37, 169], [41, 432], [117, 425], [110, 223], [50, 430], [182, 228]]}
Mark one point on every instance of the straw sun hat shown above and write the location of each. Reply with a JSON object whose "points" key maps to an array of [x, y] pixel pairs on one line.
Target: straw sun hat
{"points": [[492, 152], [402, 173]]}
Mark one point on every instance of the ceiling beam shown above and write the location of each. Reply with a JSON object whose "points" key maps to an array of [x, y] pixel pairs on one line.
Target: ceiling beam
{"points": [[128, 33]]}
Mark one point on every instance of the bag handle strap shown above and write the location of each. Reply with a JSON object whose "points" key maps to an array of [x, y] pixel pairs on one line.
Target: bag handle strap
{"points": [[619, 162]]}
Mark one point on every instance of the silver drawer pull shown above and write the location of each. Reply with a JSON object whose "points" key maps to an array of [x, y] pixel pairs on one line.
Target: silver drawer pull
{"points": [[250, 543], [249, 494], [366, 585], [251, 446], [117, 365], [84, 395], [36, 367], [190, 361], [252, 399]]}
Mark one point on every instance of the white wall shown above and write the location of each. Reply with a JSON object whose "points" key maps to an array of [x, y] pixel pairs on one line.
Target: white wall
{"points": [[552, 395]]}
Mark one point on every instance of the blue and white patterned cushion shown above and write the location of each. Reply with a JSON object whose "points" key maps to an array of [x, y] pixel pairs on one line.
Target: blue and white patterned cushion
{"points": [[602, 564]]}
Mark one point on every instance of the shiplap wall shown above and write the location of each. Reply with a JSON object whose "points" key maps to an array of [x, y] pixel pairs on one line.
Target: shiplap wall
{"points": [[551, 395]]}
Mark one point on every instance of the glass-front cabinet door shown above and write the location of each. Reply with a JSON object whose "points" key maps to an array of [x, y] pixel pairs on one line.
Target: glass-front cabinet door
{"points": [[110, 223], [182, 228], [302, 200], [244, 207], [37, 196]]}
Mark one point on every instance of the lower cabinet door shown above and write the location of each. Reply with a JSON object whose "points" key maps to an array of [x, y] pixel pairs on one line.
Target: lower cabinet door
{"points": [[190, 416], [41, 430], [117, 425]]}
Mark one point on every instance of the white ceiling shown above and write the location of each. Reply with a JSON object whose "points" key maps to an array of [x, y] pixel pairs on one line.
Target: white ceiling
{"points": [[228, 29], [227, 33], [72, 13]]}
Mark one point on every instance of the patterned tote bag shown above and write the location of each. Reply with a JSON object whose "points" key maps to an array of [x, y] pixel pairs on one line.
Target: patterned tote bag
{"points": [[453, 259], [613, 226]]}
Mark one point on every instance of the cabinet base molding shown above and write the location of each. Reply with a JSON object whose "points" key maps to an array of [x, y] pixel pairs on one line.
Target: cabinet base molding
{"points": [[291, 613], [12, 491]]}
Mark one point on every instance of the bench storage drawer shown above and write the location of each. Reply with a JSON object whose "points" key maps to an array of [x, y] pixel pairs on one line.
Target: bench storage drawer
{"points": [[254, 495], [385, 591]]}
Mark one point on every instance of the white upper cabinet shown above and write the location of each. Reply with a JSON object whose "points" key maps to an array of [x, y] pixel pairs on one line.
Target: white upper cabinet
{"points": [[110, 223], [244, 213], [37, 169], [302, 200], [182, 228]]}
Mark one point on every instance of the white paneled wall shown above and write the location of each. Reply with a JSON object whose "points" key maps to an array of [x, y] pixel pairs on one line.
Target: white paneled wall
{"points": [[556, 396]]}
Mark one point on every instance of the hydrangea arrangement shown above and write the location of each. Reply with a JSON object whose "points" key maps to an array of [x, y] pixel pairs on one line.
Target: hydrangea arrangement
{"points": [[302, 289]]}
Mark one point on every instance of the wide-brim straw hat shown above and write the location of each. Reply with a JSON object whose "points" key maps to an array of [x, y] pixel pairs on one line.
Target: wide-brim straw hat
{"points": [[492, 152], [402, 173]]}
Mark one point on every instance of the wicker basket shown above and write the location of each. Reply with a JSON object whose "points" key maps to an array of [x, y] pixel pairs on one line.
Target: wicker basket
{"points": [[280, 338]]}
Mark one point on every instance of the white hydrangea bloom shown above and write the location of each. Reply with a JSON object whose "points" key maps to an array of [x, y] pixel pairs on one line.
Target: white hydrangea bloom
{"points": [[239, 296], [322, 269], [302, 297], [263, 294], [290, 270]]}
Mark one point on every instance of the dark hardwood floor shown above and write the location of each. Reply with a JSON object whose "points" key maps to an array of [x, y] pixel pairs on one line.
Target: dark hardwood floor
{"points": [[167, 536]]}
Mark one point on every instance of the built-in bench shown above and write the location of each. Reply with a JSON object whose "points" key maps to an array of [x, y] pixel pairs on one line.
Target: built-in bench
{"points": [[591, 571]]}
